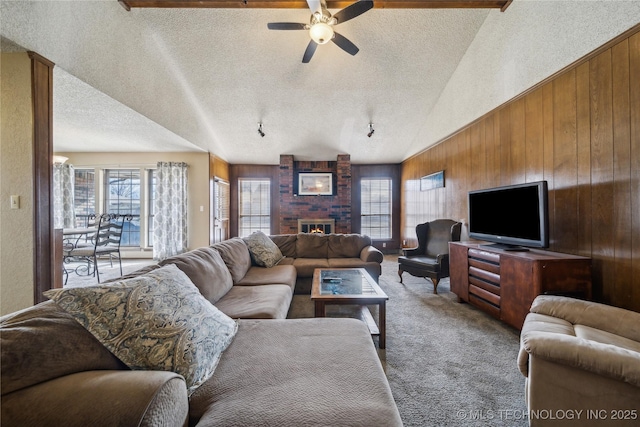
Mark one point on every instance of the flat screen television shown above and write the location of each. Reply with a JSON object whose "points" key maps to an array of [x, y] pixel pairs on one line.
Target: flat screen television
{"points": [[514, 217]]}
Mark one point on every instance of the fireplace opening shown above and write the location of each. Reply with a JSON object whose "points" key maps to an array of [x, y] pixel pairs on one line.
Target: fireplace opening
{"points": [[319, 226]]}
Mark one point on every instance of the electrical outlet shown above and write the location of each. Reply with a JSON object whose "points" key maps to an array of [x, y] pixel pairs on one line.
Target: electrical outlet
{"points": [[404, 243], [384, 245]]}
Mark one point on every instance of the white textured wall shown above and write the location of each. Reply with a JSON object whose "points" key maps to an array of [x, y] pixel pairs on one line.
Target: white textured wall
{"points": [[518, 48], [16, 157]]}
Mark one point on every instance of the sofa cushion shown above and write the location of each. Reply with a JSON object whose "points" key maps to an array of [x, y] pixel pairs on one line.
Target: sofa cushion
{"points": [[604, 337], [286, 243], [308, 372], [311, 245], [305, 266], [286, 261], [257, 302], [207, 271], [373, 268], [70, 348], [263, 251], [236, 255], [157, 321], [425, 263], [346, 263], [347, 245], [282, 274]]}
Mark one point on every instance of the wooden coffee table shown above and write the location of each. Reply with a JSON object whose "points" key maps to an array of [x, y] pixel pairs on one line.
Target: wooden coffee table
{"points": [[352, 286]]}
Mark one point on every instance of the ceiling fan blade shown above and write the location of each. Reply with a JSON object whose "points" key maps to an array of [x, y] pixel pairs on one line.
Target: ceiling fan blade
{"points": [[311, 49], [286, 26], [315, 6], [353, 10], [345, 44]]}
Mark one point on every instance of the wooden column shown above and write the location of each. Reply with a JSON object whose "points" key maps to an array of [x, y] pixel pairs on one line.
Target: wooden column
{"points": [[43, 248]]}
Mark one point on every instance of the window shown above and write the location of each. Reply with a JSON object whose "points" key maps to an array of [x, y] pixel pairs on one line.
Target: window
{"points": [[122, 196], [375, 210], [254, 206], [84, 195]]}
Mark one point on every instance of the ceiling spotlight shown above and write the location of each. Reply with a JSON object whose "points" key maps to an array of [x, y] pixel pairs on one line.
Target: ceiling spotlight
{"points": [[371, 130], [260, 131]]}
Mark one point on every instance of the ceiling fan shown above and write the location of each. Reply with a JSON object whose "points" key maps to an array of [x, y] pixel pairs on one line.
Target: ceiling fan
{"points": [[321, 25]]}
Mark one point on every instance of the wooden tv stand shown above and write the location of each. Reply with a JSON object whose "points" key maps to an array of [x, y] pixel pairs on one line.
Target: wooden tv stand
{"points": [[504, 283]]}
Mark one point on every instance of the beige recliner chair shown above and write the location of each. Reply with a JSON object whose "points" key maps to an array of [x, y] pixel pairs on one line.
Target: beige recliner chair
{"points": [[582, 363]]}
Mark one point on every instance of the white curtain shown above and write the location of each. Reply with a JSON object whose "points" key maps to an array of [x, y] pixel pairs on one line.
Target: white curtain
{"points": [[170, 216], [63, 209]]}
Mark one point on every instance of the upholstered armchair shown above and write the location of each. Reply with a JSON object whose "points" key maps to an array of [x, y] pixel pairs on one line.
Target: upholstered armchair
{"points": [[431, 258], [583, 359]]}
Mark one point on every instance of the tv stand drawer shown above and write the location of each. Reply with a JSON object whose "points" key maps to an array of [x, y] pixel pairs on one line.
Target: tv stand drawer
{"points": [[485, 276], [485, 295]]}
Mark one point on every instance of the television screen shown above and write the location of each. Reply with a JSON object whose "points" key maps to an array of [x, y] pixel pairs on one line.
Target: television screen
{"points": [[514, 215]]}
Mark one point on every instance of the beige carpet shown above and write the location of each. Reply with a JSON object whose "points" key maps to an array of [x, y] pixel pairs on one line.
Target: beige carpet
{"points": [[448, 364]]}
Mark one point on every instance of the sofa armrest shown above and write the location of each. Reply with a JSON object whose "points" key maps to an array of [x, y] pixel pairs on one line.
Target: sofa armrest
{"points": [[553, 340], [101, 398], [371, 254], [611, 319]]}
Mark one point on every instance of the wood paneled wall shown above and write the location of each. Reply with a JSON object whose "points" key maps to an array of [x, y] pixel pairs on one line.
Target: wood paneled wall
{"points": [[580, 131]]}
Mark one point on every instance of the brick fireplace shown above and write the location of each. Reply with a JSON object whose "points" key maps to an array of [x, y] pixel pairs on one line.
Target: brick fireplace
{"points": [[336, 207]]}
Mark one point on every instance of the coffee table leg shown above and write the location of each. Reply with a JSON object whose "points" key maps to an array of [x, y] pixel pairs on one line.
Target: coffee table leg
{"points": [[382, 319], [320, 309]]}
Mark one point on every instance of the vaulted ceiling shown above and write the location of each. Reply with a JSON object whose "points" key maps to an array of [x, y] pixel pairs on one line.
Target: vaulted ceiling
{"points": [[202, 78]]}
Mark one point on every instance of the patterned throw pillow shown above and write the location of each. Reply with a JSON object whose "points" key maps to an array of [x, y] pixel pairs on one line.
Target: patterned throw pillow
{"points": [[263, 250], [157, 321]]}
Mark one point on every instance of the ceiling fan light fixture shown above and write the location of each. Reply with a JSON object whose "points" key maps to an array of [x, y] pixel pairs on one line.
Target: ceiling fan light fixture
{"points": [[321, 33]]}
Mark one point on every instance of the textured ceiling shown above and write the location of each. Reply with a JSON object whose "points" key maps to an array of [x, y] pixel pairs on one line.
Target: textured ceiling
{"points": [[208, 76], [202, 79]]}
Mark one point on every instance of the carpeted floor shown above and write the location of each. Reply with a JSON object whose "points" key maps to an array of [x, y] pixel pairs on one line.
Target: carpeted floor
{"points": [[448, 364]]}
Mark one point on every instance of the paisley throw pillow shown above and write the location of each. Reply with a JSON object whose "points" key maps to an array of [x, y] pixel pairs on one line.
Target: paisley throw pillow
{"points": [[157, 321], [264, 251]]}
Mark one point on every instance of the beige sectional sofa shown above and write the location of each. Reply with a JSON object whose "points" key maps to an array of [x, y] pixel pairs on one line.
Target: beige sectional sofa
{"points": [[306, 252], [274, 372]]}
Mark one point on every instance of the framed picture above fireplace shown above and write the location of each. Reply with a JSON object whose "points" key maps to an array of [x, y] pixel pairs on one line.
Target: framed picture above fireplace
{"points": [[315, 184]]}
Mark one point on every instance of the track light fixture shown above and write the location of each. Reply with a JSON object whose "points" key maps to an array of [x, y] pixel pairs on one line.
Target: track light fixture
{"points": [[371, 130], [260, 131]]}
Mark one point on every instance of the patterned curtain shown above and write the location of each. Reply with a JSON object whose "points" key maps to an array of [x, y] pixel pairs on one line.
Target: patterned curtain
{"points": [[170, 219], [63, 209]]}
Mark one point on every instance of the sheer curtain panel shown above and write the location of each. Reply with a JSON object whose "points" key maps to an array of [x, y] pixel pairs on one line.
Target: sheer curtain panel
{"points": [[63, 209], [170, 221]]}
